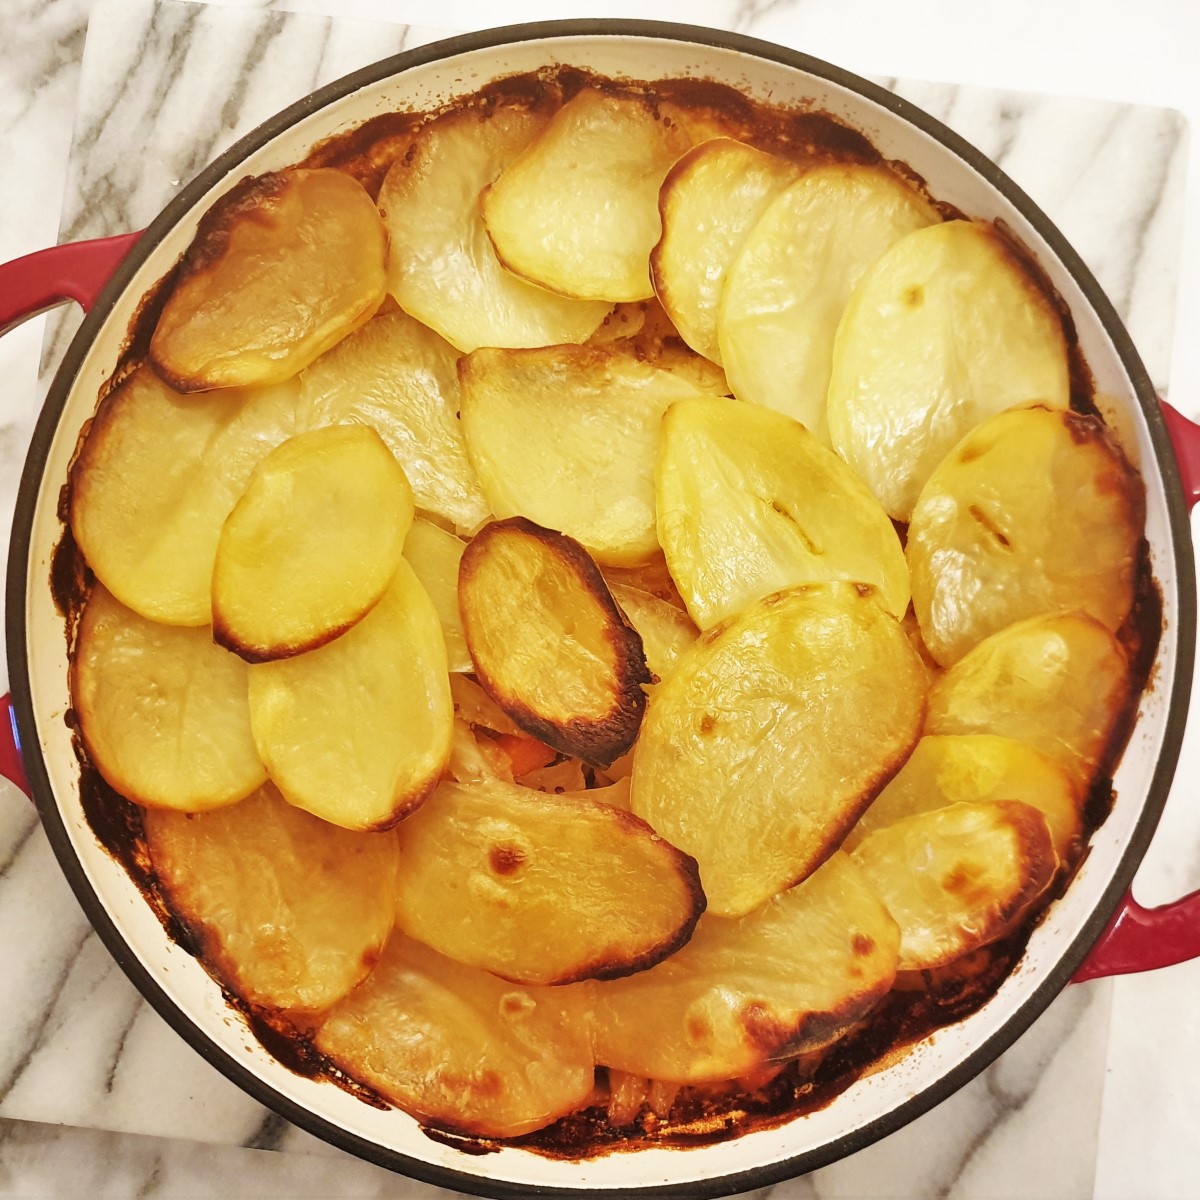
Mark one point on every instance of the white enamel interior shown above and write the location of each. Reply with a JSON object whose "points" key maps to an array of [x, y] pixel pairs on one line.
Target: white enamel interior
{"points": [[871, 1099]]}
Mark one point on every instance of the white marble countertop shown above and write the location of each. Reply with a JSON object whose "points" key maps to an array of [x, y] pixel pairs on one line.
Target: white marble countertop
{"points": [[1101, 1098]]}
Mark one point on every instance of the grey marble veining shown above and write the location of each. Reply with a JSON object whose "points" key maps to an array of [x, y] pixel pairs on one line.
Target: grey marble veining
{"points": [[163, 87]]}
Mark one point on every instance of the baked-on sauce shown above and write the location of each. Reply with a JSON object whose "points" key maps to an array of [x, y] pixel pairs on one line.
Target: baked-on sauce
{"points": [[921, 1002]]}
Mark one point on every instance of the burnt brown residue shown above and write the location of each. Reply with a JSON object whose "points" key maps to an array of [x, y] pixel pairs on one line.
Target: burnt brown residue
{"points": [[505, 860], [862, 945], [368, 151], [468, 1145]]}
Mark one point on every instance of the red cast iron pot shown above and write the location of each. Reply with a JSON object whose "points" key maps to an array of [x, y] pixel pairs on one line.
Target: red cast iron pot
{"points": [[1094, 929]]}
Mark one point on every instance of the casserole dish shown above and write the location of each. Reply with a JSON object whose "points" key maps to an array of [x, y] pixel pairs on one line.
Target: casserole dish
{"points": [[38, 666]]}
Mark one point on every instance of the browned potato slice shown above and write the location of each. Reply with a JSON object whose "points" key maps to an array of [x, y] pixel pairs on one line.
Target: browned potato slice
{"points": [[577, 211], [358, 731], [280, 269], [442, 268], [772, 735], [790, 977], [157, 476], [666, 632], [945, 330], [402, 379], [566, 436], [1056, 683], [162, 710], [312, 543], [785, 292], [434, 556], [548, 641], [1035, 511], [750, 502], [460, 1048], [539, 888], [957, 878], [944, 769], [709, 201], [292, 912]]}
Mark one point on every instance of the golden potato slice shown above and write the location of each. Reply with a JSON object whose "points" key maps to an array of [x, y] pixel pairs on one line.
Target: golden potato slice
{"points": [[977, 767], [709, 201], [750, 502], [358, 731], [666, 632], [280, 269], [789, 977], [291, 911], [441, 266], [461, 1049], [156, 477], [944, 331], [785, 292], [400, 378], [311, 544], [434, 556], [1057, 683], [1034, 511], [957, 878], [163, 712], [577, 211], [566, 436], [549, 643], [772, 735], [538, 888]]}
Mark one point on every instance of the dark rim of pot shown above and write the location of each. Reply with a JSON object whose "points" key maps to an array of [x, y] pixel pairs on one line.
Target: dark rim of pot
{"points": [[18, 582]]}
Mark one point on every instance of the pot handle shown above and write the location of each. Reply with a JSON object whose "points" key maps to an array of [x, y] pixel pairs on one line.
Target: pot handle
{"points": [[74, 271], [11, 766], [1137, 938]]}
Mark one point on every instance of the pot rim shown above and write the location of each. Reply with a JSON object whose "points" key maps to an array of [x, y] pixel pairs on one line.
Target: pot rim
{"points": [[17, 585]]}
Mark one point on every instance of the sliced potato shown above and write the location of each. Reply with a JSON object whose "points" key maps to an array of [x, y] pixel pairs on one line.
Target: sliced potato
{"points": [[280, 269], [549, 643], [358, 731], [566, 436], [717, 771], [156, 477], [785, 292], [973, 767], [945, 330], [293, 912], [163, 712], [789, 977], [1056, 683], [434, 556], [666, 632], [709, 201], [441, 266], [402, 379], [577, 211], [750, 502], [461, 1049], [312, 543], [538, 888], [957, 878], [1034, 511]]}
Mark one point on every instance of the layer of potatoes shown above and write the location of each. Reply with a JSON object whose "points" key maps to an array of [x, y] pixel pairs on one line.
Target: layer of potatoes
{"points": [[506, 619]]}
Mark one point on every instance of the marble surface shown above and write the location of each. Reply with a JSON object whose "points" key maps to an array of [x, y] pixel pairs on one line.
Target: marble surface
{"points": [[99, 126]]}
